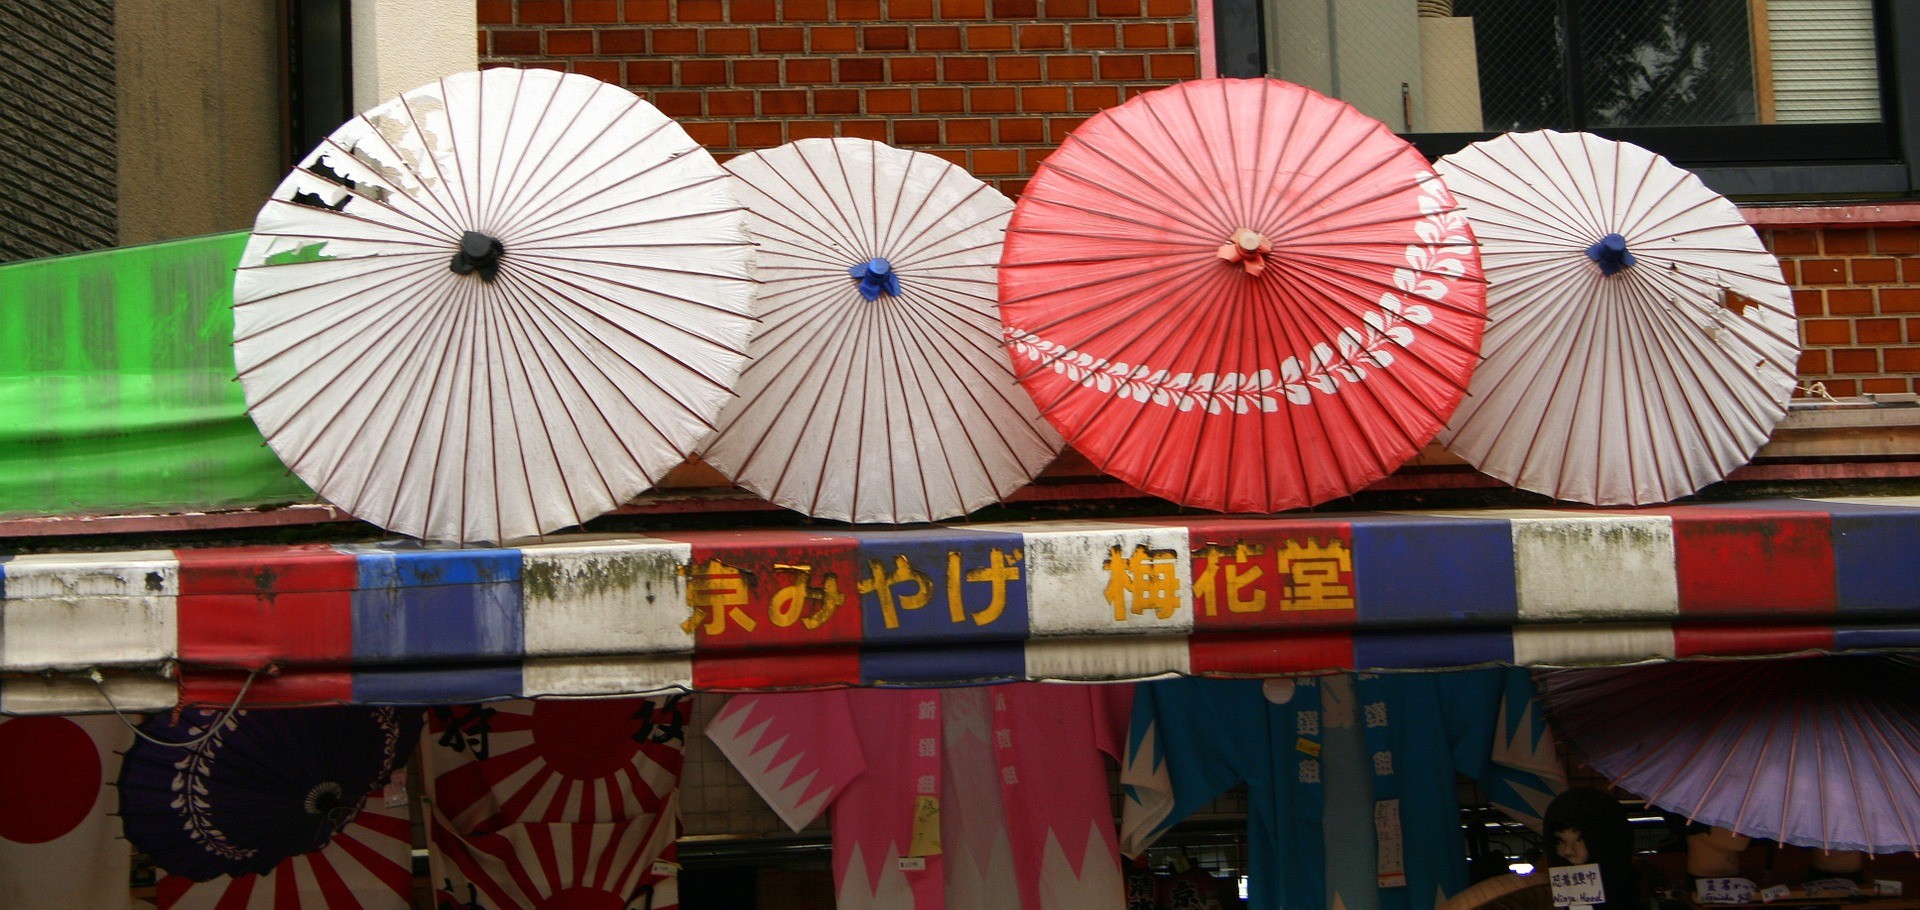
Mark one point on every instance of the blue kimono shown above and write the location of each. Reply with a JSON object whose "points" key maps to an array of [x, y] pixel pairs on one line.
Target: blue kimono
{"points": [[1350, 779]]}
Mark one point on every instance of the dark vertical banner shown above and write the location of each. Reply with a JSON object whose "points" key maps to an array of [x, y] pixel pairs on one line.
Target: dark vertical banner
{"points": [[57, 128]]}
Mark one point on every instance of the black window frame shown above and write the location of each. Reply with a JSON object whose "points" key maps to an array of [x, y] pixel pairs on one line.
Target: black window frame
{"points": [[1778, 161]]}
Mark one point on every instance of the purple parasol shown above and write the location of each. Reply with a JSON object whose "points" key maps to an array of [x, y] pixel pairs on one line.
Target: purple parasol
{"points": [[265, 786], [1820, 752]]}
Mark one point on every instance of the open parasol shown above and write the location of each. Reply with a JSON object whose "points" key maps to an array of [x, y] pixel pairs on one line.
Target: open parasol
{"points": [[1640, 343], [878, 390], [368, 865], [258, 788], [1819, 751], [1241, 295], [498, 305]]}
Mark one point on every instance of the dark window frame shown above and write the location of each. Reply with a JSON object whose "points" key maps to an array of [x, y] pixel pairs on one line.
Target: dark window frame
{"points": [[1840, 160], [316, 73]]}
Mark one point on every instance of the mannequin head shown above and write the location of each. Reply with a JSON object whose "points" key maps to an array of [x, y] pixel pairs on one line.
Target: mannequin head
{"points": [[1587, 826]]}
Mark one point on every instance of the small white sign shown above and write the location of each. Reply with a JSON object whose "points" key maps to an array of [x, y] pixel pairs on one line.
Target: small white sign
{"points": [[1574, 885], [1886, 887], [1390, 860], [663, 868], [1724, 890], [1774, 893], [913, 864]]}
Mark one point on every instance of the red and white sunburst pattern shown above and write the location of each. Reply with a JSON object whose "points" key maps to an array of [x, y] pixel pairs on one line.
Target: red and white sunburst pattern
{"points": [[612, 866], [367, 866], [555, 761]]}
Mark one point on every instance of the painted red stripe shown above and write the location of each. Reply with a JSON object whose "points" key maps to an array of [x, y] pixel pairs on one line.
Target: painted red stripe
{"points": [[333, 889], [396, 875], [1738, 639], [1242, 653], [1753, 562]]}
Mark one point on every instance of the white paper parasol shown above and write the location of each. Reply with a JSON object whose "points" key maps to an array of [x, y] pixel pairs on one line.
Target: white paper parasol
{"points": [[1640, 343], [498, 305], [879, 391]]}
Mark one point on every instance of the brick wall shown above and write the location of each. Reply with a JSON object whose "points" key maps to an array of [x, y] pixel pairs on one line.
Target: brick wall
{"points": [[58, 163], [991, 85], [1857, 292]]}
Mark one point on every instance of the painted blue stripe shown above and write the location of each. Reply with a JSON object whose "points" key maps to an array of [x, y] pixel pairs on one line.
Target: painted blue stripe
{"points": [[431, 686], [943, 666], [462, 604], [990, 565], [1876, 561], [1874, 638], [1432, 649], [1418, 571]]}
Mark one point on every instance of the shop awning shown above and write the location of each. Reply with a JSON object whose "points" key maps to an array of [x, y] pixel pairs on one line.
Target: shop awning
{"points": [[1081, 600]]}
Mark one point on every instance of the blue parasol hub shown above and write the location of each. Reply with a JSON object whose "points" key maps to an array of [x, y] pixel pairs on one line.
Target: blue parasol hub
{"points": [[876, 277], [1611, 253]]}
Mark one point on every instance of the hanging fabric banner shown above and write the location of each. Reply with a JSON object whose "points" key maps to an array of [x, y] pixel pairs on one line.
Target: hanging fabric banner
{"points": [[54, 778]]}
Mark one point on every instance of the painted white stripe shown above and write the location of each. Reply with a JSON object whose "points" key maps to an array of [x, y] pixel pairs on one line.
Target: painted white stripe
{"points": [[134, 694], [1108, 657], [1573, 645], [641, 675], [605, 597], [1101, 578], [1595, 567], [72, 611]]}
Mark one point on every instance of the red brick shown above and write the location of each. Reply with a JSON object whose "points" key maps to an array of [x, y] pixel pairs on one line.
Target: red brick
{"points": [[1793, 243], [1030, 159], [701, 11], [677, 104], [494, 12], [941, 100], [649, 72], [836, 39], [856, 10], [1827, 331], [649, 10], [751, 11], [952, 156], [884, 38], [756, 72], [963, 9], [558, 66], [783, 102], [1121, 67], [1022, 129], [703, 72], [728, 41], [916, 132], [864, 129], [1813, 363], [989, 37], [780, 40], [1902, 360], [1175, 66], [1896, 240], [543, 12], [506, 41], [1069, 68], [590, 12], [803, 10], [1842, 388], [1170, 9], [1016, 9], [909, 9], [1900, 300], [676, 41], [603, 70], [1011, 188], [1043, 37], [1094, 37], [1059, 127], [1051, 99], [996, 161], [836, 101], [1877, 331], [936, 38], [969, 131], [1910, 271], [1875, 271], [992, 100], [913, 69], [964, 69], [1856, 360], [759, 134], [1847, 301], [1913, 328], [1885, 386], [710, 134], [889, 101], [863, 69], [1822, 271], [482, 45], [570, 41], [1088, 98], [803, 71], [1016, 68], [729, 104], [632, 41], [1068, 9], [1183, 35], [809, 129], [1145, 34], [1788, 269], [1117, 9], [1844, 241]]}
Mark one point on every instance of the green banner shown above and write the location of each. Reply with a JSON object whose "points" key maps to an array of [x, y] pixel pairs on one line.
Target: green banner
{"points": [[117, 389]]}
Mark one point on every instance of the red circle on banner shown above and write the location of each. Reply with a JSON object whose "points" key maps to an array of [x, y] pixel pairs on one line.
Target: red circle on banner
{"points": [[49, 778], [586, 739], [582, 899]]}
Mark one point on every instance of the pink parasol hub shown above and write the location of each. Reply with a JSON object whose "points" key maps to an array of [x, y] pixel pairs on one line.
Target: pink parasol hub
{"points": [[1248, 248]]}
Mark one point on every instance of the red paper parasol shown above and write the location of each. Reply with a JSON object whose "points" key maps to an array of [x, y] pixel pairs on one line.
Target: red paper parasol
{"points": [[1241, 295], [1820, 752]]}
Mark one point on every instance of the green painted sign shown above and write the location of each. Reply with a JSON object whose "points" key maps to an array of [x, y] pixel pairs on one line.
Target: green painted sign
{"points": [[117, 389]]}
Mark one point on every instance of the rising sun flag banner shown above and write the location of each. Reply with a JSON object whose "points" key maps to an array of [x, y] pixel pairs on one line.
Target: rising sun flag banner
{"points": [[55, 774]]}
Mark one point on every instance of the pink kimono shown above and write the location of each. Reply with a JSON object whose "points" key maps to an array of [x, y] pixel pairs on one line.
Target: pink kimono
{"points": [[945, 798]]}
